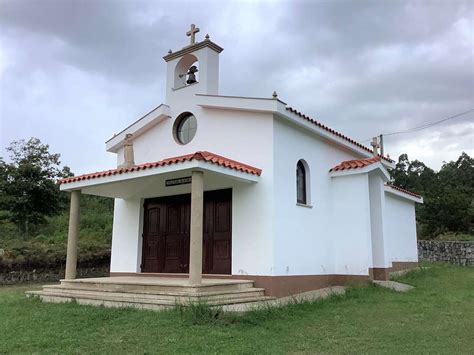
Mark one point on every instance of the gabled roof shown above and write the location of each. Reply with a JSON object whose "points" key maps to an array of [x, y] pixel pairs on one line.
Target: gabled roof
{"points": [[338, 134], [201, 155], [360, 166], [355, 164], [246, 104], [281, 109]]}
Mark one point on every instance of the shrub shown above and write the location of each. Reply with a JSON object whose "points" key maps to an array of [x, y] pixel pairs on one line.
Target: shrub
{"points": [[47, 250], [199, 312]]}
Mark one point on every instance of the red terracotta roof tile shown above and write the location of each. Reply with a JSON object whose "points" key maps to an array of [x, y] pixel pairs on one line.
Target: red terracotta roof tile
{"points": [[330, 130], [202, 155], [398, 188], [355, 164]]}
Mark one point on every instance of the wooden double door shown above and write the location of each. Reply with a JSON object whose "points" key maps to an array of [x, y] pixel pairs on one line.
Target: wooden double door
{"points": [[166, 233]]}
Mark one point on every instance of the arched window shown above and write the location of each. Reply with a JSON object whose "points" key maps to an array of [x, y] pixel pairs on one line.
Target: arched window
{"points": [[301, 183]]}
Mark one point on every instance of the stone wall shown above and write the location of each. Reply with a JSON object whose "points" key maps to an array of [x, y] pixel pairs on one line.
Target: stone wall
{"points": [[454, 252], [14, 277]]}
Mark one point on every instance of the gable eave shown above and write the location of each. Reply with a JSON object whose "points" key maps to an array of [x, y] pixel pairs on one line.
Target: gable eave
{"points": [[240, 103], [138, 127], [402, 193], [372, 168], [332, 137]]}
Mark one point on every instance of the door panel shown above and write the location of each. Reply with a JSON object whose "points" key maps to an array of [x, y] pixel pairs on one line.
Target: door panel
{"points": [[219, 231], [172, 245], [222, 217], [173, 218], [151, 231], [166, 233]]}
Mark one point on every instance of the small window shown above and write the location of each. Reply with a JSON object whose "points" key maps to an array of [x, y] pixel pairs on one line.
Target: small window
{"points": [[185, 128], [301, 183]]}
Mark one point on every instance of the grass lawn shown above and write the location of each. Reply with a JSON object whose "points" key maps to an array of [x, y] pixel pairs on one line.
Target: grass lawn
{"points": [[436, 317]]}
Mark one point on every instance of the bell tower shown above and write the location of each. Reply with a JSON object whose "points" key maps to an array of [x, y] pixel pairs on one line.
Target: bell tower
{"points": [[194, 69]]}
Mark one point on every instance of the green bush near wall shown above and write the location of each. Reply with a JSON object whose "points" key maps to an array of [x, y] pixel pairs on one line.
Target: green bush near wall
{"points": [[47, 249]]}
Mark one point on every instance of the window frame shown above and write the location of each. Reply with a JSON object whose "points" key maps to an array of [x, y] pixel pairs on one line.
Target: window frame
{"points": [[178, 132], [301, 178]]}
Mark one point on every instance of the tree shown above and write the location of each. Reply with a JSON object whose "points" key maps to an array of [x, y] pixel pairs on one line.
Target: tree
{"points": [[448, 194], [413, 175], [454, 195], [28, 189]]}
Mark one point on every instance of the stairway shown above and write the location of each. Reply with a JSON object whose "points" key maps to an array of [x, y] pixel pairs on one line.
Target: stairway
{"points": [[151, 292]]}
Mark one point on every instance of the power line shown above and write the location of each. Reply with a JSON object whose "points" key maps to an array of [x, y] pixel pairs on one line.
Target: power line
{"points": [[426, 125]]}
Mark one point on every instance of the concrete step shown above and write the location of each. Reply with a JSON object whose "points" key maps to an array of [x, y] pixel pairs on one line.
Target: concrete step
{"points": [[109, 300], [172, 296], [278, 302], [96, 302], [393, 285], [179, 292], [158, 300], [246, 300], [145, 286]]}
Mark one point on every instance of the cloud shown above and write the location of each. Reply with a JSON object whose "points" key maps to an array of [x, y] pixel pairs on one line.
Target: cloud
{"points": [[74, 72]]}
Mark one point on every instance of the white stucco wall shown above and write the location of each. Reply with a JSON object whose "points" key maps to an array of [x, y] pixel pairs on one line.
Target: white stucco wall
{"points": [[400, 228], [379, 244], [350, 224], [271, 234], [239, 135], [331, 236], [126, 236]]}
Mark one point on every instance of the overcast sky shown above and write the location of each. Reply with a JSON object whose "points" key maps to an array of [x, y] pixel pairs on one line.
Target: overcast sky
{"points": [[73, 73]]}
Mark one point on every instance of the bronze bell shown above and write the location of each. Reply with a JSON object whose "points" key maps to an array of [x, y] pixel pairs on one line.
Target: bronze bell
{"points": [[192, 75]]}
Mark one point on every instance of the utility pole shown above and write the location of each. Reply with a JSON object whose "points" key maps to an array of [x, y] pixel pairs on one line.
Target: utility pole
{"points": [[381, 144], [375, 146]]}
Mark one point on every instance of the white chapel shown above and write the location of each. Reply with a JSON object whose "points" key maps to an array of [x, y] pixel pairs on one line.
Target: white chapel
{"points": [[244, 189]]}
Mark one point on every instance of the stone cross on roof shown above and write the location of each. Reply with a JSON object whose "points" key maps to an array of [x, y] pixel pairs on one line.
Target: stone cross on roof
{"points": [[192, 33]]}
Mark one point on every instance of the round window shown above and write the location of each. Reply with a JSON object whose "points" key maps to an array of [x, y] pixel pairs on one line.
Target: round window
{"points": [[185, 128]]}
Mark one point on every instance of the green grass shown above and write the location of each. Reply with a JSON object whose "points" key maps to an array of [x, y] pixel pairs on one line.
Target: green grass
{"points": [[436, 317], [453, 236]]}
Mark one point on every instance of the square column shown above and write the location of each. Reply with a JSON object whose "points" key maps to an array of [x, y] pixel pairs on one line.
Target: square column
{"points": [[73, 236], [380, 258], [195, 247]]}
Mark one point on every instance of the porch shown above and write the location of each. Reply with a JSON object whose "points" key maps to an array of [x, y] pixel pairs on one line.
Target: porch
{"points": [[155, 293], [192, 174]]}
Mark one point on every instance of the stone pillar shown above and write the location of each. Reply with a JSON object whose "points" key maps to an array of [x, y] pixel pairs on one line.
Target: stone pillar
{"points": [[195, 247], [73, 235]]}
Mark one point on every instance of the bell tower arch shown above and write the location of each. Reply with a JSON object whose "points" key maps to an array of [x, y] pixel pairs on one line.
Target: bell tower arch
{"points": [[194, 69], [185, 71]]}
